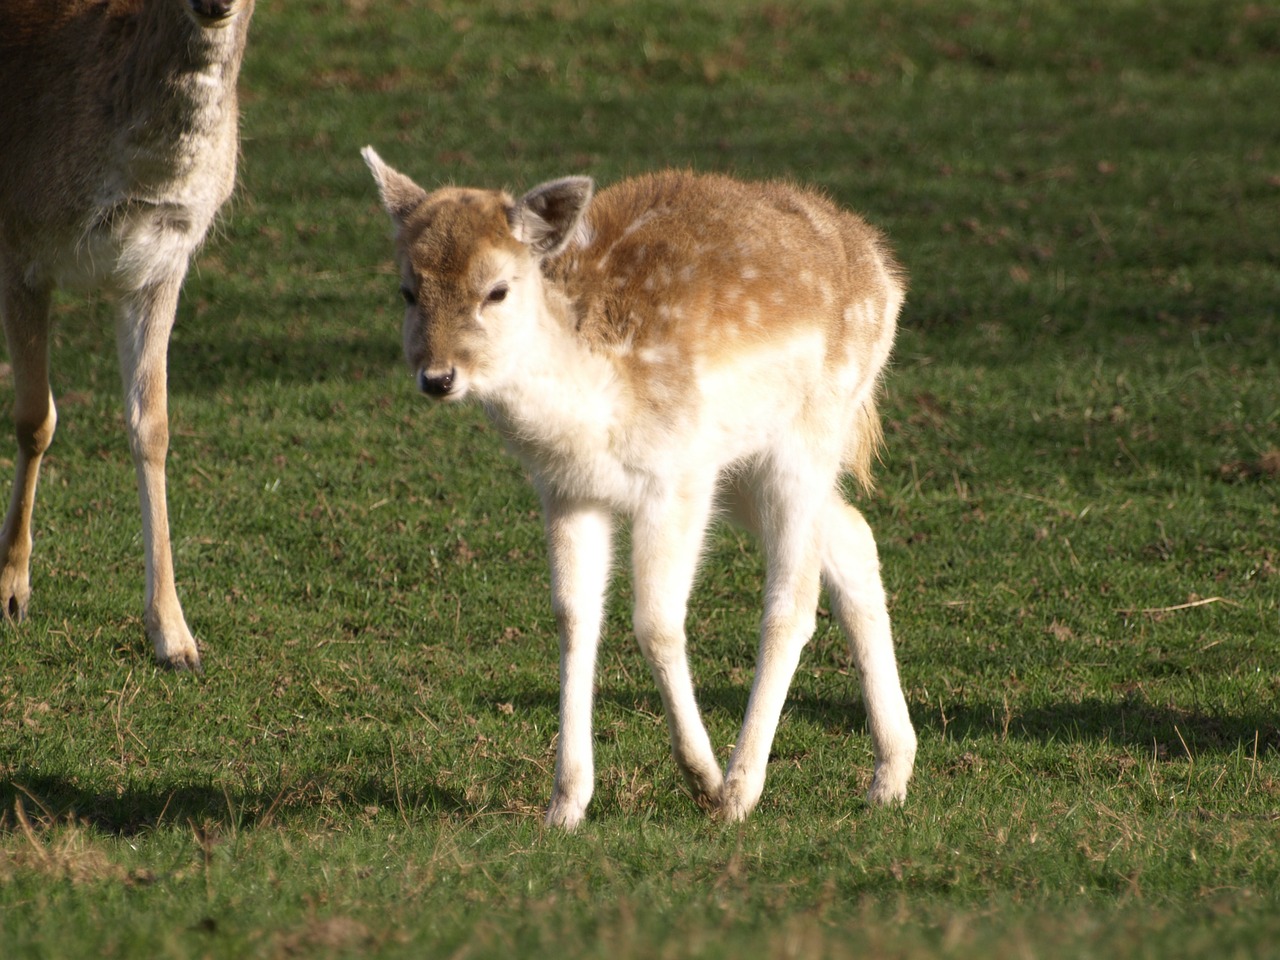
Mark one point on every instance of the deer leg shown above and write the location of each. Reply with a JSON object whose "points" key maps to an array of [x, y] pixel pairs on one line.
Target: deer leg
{"points": [[578, 540], [143, 325], [666, 541], [787, 503], [26, 327], [851, 571]]}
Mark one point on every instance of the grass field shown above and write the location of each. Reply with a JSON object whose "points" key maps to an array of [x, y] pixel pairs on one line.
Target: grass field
{"points": [[1078, 512]]}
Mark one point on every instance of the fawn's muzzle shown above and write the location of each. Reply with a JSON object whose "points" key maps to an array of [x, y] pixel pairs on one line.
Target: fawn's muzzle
{"points": [[436, 385]]}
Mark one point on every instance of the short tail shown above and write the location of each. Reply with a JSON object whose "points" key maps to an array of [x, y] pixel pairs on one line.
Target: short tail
{"points": [[863, 444]]}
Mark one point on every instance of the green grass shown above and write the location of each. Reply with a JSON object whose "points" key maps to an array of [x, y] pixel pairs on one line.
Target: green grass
{"points": [[1077, 528]]}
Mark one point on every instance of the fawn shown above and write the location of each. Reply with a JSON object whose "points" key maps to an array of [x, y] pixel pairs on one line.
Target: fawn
{"points": [[674, 342], [119, 125]]}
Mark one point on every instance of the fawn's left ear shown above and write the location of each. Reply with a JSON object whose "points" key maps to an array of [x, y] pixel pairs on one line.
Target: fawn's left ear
{"points": [[546, 217], [400, 195]]}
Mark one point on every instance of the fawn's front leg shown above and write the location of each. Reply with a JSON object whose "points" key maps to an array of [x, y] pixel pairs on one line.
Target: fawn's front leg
{"points": [[143, 325], [578, 542], [666, 539]]}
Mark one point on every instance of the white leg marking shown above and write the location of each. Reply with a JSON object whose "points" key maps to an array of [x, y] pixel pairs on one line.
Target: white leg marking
{"points": [[666, 543], [788, 500], [851, 571], [578, 540]]}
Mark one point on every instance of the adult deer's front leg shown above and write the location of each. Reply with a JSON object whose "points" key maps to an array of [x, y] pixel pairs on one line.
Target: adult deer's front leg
{"points": [[26, 326], [578, 541], [666, 537], [142, 334]]}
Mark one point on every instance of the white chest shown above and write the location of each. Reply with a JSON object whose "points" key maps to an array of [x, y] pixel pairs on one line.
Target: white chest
{"points": [[131, 245], [587, 445]]}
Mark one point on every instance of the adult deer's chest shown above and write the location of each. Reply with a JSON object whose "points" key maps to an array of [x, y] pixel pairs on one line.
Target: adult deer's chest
{"points": [[165, 172]]}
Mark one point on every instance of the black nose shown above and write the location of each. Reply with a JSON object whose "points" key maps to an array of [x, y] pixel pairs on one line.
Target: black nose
{"points": [[435, 386], [213, 9]]}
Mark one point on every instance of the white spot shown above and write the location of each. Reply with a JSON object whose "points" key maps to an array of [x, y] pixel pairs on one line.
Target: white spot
{"points": [[584, 235], [623, 347], [750, 273], [636, 224], [654, 355]]}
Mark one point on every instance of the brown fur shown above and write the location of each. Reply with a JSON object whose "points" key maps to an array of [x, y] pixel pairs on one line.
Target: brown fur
{"points": [[670, 344], [118, 143], [670, 280]]}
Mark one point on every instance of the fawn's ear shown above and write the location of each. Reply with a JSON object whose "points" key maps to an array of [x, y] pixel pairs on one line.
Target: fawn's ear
{"points": [[546, 217], [400, 195]]}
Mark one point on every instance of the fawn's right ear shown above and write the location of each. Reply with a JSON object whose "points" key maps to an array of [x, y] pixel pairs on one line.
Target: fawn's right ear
{"points": [[400, 195], [546, 217]]}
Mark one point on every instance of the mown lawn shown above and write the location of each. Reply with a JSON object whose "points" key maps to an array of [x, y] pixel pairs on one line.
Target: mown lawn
{"points": [[1078, 512]]}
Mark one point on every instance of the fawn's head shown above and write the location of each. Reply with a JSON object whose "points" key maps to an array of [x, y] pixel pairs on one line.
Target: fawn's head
{"points": [[470, 272]]}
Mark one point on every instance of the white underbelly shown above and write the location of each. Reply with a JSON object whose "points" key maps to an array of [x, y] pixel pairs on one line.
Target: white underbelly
{"points": [[138, 245]]}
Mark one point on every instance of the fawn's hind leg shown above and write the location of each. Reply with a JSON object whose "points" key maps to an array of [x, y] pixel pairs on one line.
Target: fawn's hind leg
{"points": [[851, 572], [786, 498], [26, 326], [143, 324]]}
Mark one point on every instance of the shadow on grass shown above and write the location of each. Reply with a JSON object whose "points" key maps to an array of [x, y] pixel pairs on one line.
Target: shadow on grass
{"points": [[139, 810], [1092, 722], [201, 365], [1127, 722]]}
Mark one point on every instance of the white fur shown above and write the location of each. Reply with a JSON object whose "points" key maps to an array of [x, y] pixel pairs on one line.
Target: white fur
{"points": [[761, 425]]}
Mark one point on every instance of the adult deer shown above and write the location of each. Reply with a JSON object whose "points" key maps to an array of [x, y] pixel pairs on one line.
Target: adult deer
{"points": [[676, 340], [118, 145]]}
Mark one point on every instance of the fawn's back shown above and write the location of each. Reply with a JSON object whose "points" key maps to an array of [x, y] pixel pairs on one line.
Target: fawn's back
{"points": [[707, 267], [672, 316], [725, 295]]}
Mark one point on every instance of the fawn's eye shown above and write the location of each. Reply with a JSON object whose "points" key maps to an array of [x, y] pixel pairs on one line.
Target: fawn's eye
{"points": [[497, 294], [410, 298]]}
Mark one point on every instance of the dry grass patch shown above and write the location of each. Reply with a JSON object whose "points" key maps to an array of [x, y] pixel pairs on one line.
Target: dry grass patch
{"points": [[55, 848]]}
